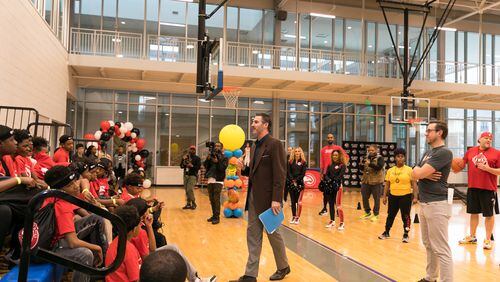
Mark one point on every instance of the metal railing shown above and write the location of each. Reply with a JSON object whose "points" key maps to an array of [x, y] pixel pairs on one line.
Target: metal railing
{"points": [[287, 58]]}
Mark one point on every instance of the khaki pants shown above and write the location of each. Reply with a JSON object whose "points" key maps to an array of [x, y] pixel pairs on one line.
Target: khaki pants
{"points": [[189, 183], [254, 243], [434, 218]]}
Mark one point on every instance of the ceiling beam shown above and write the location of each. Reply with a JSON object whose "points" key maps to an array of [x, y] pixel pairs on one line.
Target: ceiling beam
{"points": [[143, 75], [284, 84], [250, 82], [102, 72], [316, 86], [180, 77], [478, 11]]}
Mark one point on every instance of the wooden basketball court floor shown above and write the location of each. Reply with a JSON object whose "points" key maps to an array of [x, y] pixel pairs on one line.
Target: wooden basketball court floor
{"points": [[317, 253]]}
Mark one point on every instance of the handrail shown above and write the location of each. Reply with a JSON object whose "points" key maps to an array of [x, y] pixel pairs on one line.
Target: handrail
{"points": [[22, 109], [50, 256], [49, 124]]}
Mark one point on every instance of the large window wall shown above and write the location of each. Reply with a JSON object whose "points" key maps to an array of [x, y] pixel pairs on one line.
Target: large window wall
{"points": [[170, 123]]}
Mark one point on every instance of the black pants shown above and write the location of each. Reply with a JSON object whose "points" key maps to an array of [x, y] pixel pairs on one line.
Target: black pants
{"points": [[287, 191], [6, 226], [325, 201], [294, 197], [214, 190], [376, 191], [331, 198], [397, 203]]}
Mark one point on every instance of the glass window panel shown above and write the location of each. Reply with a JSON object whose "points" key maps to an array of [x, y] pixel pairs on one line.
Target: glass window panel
{"points": [[243, 102], [221, 118], [163, 136], [353, 36], [449, 42], [497, 135], [483, 114], [322, 33], [192, 20], [315, 107], [349, 128], [99, 95], [121, 96], [298, 105], [339, 35], [282, 126], [215, 25], [251, 26], [455, 140], [79, 130], [109, 15], [95, 113], [365, 128], [305, 21], [71, 113], [48, 11], [232, 24], [349, 108], [60, 21], [297, 131], [365, 109], [470, 133], [497, 115], [380, 129], [243, 121], [488, 58], [315, 142], [384, 43], [332, 124], [264, 104], [333, 107], [370, 38], [482, 126], [497, 52], [288, 30], [460, 47], [472, 57], [456, 113], [173, 18], [399, 135], [143, 98], [380, 110], [268, 27], [183, 100], [217, 101], [152, 17], [131, 15], [470, 114], [163, 98], [121, 113], [183, 132]]}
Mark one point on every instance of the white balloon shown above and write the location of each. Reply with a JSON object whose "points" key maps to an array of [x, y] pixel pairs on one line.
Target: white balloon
{"points": [[111, 123], [123, 129], [130, 171], [133, 145], [98, 134], [121, 135], [134, 149], [141, 168], [129, 125], [137, 157], [146, 183], [133, 135]]}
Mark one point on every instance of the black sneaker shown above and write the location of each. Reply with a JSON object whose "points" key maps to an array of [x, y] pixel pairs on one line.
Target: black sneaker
{"points": [[216, 220], [406, 239], [323, 212], [210, 219], [193, 206], [384, 235], [186, 207], [425, 280]]}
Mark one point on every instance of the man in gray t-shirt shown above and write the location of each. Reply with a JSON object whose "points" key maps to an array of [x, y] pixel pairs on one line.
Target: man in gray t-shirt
{"points": [[435, 211]]}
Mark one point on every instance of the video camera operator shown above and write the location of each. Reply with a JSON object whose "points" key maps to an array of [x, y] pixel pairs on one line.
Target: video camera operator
{"points": [[215, 164], [191, 163]]}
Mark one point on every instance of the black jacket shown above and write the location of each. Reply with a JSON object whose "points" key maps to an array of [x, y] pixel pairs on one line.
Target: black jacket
{"points": [[297, 172], [220, 168], [195, 161], [335, 172]]}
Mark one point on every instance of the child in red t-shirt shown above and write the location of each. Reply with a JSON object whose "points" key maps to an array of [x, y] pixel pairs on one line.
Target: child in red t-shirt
{"points": [[61, 155], [67, 242], [24, 164], [40, 154], [91, 186], [131, 265]]}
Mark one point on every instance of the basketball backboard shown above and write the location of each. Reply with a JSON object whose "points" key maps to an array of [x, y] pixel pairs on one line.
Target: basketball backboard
{"points": [[406, 110], [210, 64]]}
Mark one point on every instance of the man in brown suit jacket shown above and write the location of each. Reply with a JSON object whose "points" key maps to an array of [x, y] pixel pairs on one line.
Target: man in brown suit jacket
{"points": [[265, 190]]}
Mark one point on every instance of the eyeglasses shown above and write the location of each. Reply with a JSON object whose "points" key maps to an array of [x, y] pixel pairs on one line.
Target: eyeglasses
{"points": [[429, 130]]}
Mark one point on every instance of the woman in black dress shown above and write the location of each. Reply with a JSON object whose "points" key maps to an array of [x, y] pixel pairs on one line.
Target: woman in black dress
{"points": [[297, 166], [334, 175]]}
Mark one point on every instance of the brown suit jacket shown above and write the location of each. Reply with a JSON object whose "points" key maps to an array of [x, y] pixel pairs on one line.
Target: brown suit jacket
{"points": [[267, 177]]}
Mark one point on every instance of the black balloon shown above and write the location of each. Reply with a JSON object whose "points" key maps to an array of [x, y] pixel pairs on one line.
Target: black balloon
{"points": [[127, 139], [111, 130], [136, 131], [144, 153], [118, 124], [105, 136]]}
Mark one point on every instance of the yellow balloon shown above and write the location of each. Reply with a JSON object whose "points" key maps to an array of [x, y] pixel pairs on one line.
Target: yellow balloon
{"points": [[232, 136]]}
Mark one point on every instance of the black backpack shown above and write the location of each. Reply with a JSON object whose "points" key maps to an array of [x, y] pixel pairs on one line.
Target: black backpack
{"points": [[44, 228]]}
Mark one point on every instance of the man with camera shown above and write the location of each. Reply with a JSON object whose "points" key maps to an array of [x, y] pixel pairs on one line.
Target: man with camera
{"points": [[215, 164], [191, 163]]}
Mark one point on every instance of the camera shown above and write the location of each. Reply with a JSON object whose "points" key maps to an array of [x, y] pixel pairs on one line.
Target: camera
{"points": [[211, 148]]}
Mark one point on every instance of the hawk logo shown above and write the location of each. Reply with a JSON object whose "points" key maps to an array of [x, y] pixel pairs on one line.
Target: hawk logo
{"points": [[480, 159], [34, 236], [309, 180]]}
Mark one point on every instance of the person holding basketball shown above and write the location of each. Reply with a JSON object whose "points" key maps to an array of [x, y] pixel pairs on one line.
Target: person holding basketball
{"points": [[483, 163]]}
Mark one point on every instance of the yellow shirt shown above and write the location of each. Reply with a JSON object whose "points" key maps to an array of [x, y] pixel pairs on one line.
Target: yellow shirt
{"points": [[400, 179]]}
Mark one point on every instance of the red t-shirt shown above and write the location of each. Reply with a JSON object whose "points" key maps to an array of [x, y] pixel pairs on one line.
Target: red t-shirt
{"points": [[11, 166], [64, 213], [478, 178], [141, 242], [126, 196], [130, 267], [43, 163], [24, 165], [61, 156], [326, 156], [94, 188], [103, 189]]}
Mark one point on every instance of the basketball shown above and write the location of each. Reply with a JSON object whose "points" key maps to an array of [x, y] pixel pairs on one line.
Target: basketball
{"points": [[457, 165]]}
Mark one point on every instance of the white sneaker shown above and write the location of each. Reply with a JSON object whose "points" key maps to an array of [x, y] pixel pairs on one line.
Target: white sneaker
{"points": [[341, 226], [292, 221], [330, 224], [208, 279], [297, 220]]}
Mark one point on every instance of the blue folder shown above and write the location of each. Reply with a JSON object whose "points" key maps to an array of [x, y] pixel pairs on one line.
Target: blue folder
{"points": [[271, 221]]}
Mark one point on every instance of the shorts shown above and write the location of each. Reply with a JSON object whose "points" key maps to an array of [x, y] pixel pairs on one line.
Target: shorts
{"points": [[482, 201]]}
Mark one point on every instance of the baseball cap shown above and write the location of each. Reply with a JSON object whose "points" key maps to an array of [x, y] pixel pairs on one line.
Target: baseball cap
{"points": [[192, 147], [485, 134], [5, 132], [64, 138]]}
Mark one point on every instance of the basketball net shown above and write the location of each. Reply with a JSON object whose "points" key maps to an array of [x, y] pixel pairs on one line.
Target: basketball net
{"points": [[414, 121], [231, 95]]}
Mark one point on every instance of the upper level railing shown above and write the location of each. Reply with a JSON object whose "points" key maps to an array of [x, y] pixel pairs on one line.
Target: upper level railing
{"points": [[288, 58]]}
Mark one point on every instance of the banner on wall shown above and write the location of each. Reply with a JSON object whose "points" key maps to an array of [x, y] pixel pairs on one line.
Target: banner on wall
{"points": [[357, 153]]}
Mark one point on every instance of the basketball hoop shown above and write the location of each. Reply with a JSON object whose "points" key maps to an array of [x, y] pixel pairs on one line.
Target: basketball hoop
{"points": [[231, 95], [412, 122]]}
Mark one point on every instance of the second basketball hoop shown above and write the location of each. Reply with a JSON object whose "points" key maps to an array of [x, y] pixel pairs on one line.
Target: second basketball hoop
{"points": [[231, 95]]}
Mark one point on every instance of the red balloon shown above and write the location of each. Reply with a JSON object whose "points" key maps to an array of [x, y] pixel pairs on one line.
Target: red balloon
{"points": [[128, 133], [105, 125], [117, 130], [140, 144], [89, 136]]}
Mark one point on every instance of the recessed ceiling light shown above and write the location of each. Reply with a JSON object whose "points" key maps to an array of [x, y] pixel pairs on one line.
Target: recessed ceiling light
{"points": [[177, 135], [446, 28], [122, 22], [173, 24], [370, 46], [119, 55], [294, 22], [120, 112], [116, 40], [326, 41], [167, 114], [241, 65], [72, 110], [258, 102], [255, 52], [322, 15], [190, 46], [349, 27]]}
